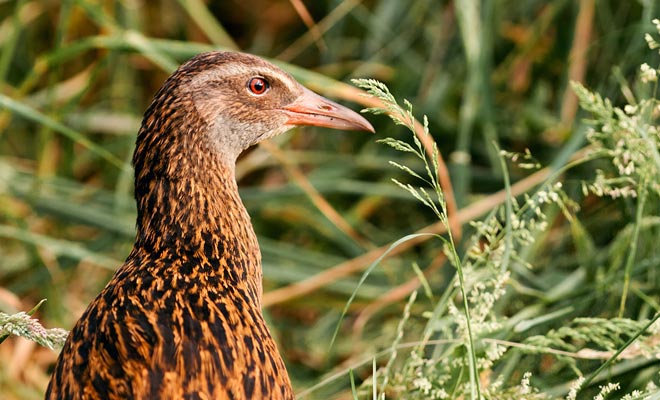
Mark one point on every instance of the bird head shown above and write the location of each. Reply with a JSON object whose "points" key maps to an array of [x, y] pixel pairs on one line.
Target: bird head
{"points": [[205, 114], [244, 99]]}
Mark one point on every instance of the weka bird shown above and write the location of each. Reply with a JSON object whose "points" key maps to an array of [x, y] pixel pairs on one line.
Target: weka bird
{"points": [[181, 318]]}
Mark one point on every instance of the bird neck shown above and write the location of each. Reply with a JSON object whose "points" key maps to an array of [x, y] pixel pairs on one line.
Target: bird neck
{"points": [[190, 213]]}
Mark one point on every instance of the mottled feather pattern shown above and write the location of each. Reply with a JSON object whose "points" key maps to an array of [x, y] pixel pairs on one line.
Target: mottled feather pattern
{"points": [[181, 319]]}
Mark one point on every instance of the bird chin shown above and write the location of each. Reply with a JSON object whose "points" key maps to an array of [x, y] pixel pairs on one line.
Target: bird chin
{"points": [[271, 134]]}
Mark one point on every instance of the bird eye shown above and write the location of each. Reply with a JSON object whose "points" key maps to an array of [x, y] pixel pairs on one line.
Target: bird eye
{"points": [[258, 86]]}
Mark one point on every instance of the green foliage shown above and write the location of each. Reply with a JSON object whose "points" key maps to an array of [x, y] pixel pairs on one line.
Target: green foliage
{"points": [[630, 141]]}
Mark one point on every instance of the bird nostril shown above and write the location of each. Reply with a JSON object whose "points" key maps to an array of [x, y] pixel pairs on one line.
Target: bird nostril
{"points": [[325, 107]]}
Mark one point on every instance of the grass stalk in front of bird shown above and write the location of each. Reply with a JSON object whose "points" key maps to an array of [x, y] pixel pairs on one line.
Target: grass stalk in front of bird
{"points": [[475, 288], [629, 139], [434, 201]]}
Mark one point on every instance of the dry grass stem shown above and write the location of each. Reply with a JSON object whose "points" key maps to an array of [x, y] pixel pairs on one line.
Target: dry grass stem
{"points": [[319, 201], [314, 30], [577, 66], [357, 264]]}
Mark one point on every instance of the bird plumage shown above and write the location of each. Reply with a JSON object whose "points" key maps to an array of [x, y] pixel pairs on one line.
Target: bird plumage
{"points": [[181, 318]]}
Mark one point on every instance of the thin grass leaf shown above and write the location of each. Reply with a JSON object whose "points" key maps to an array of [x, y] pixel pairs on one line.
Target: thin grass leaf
{"points": [[40, 118], [59, 247], [399, 145], [428, 292], [368, 271], [200, 13], [407, 170]]}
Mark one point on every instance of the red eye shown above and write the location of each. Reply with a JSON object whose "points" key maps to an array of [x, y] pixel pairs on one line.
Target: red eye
{"points": [[258, 85]]}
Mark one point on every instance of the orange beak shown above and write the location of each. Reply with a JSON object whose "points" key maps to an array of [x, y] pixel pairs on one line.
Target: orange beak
{"points": [[312, 109]]}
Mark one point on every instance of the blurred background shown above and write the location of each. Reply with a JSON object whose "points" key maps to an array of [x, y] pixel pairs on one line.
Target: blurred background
{"points": [[76, 76]]}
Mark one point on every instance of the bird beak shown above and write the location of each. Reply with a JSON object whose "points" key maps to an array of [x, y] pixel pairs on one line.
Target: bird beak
{"points": [[312, 109]]}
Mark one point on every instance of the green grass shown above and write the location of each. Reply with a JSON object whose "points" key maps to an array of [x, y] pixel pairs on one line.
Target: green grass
{"points": [[557, 299]]}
